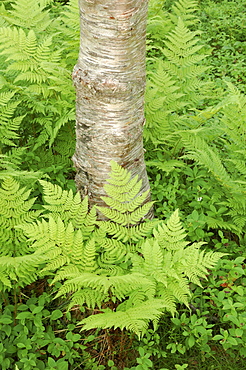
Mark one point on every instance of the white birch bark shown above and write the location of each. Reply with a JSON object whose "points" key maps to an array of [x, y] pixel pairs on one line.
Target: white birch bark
{"points": [[110, 81]]}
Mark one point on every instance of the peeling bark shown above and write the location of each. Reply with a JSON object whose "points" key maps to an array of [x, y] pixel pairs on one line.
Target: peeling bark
{"points": [[110, 81]]}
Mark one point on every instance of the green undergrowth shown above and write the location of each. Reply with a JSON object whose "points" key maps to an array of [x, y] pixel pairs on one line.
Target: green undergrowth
{"points": [[76, 293], [114, 284], [223, 26]]}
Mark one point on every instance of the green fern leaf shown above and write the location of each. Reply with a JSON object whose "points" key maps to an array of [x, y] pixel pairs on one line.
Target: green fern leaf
{"points": [[22, 270], [134, 319], [15, 209]]}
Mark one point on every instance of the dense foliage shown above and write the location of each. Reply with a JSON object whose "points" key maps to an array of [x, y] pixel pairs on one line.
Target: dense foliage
{"points": [[163, 294]]}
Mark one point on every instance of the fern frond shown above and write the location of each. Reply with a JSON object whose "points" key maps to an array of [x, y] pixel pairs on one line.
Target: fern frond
{"points": [[135, 298], [176, 81], [126, 219], [119, 286], [71, 29], [15, 208], [196, 263], [179, 289], [22, 270], [114, 251], [205, 156], [240, 166], [153, 258], [19, 14], [56, 197], [126, 188], [67, 272], [69, 207], [209, 260], [126, 207], [88, 260], [134, 319], [89, 223], [61, 244], [109, 269], [5, 282], [9, 124], [214, 223], [127, 234], [88, 297], [184, 9], [123, 197], [171, 235], [149, 265], [56, 264]]}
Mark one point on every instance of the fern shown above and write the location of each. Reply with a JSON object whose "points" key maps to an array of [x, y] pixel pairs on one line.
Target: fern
{"points": [[125, 207], [174, 83], [170, 261], [157, 27], [71, 30], [124, 212], [28, 58], [161, 21], [185, 10], [228, 170], [17, 267], [9, 125], [134, 319], [15, 208], [62, 245], [171, 236], [119, 286], [122, 264], [162, 273], [10, 122], [10, 153], [126, 234], [20, 271], [65, 234], [68, 207], [19, 15], [34, 69], [207, 156]]}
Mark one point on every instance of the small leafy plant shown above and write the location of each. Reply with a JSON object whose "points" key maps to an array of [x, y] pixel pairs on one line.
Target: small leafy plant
{"points": [[33, 336]]}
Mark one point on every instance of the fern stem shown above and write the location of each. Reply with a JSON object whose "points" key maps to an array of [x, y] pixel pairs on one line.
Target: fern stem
{"points": [[5, 298], [15, 303]]}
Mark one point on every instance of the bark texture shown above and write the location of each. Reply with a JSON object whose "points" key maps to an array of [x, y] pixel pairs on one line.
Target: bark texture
{"points": [[110, 81]]}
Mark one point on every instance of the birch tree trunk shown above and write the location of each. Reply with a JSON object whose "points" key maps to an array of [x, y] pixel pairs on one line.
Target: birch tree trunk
{"points": [[110, 81]]}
